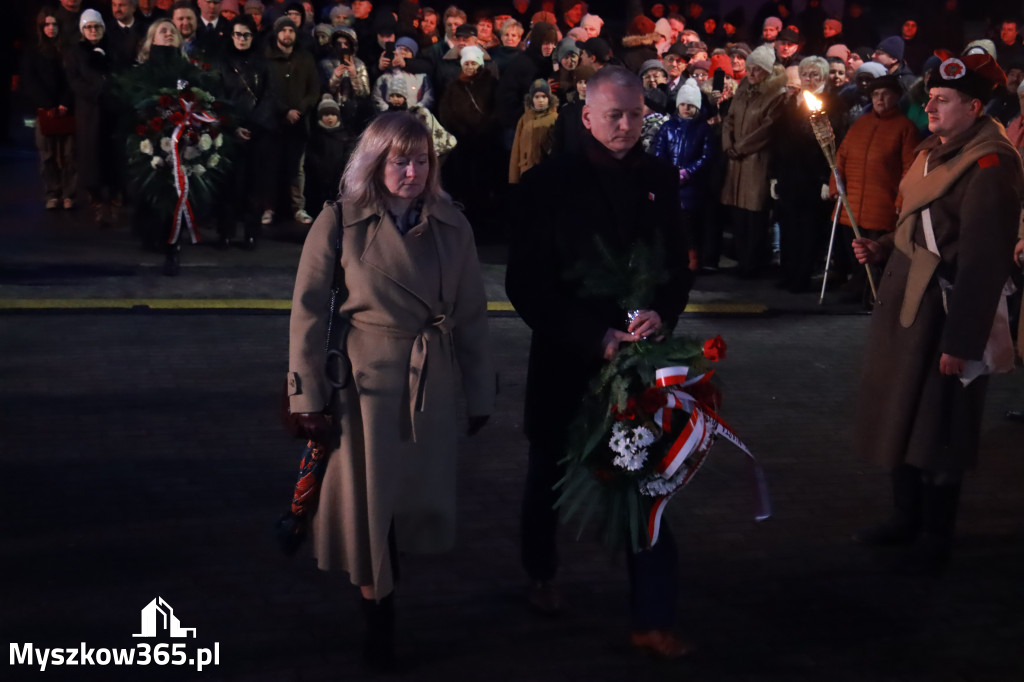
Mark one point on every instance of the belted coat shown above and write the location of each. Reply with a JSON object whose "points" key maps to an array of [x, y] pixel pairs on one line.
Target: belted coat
{"points": [[417, 307], [907, 411]]}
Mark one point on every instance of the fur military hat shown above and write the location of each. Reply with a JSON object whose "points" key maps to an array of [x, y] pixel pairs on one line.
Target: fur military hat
{"points": [[976, 75]]}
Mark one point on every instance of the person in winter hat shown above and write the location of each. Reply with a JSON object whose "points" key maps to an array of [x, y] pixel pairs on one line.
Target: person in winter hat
{"points": [[688, 142], [889, 54], [763, 57], [926, 340], [532, 142], [330, 145]]}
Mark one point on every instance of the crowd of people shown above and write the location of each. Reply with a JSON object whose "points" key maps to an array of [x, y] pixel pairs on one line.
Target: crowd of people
{"points": [[502, 89], [669, 133]]}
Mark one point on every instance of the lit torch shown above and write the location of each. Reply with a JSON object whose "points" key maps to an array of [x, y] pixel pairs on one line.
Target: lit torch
{"points": [[826, 137]]}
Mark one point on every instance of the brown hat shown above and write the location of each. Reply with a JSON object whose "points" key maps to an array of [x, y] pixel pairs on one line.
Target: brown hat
{"points": [[640, 26]]}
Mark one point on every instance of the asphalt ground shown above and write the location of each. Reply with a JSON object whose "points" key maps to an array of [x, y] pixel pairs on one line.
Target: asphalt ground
{"points": [[142, 458]]}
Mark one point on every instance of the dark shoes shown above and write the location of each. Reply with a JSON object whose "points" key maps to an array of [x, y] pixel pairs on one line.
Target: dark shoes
{"points": [[1015, 416], [172, 261], [544, 598], [660, 644], [379, 647], [892, 533]]}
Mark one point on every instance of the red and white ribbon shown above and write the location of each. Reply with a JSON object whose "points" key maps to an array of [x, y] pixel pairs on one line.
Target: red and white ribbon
{"points": [[693, 444], [183, 212]]}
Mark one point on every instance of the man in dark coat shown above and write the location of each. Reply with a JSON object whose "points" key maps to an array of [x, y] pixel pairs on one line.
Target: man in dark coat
{"points": [[125, 34], [294, 88], [919, 414], [212, 31], [624, 196]]}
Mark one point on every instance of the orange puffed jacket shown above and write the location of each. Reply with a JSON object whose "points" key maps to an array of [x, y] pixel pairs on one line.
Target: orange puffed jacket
{"points": [[874, 156]]}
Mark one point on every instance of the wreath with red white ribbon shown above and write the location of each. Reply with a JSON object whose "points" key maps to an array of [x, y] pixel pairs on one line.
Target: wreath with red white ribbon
{"points": [[644, 429]]}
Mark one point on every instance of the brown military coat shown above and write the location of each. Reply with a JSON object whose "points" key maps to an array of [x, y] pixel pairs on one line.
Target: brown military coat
{"points": [[417, 306], [907, 411]]}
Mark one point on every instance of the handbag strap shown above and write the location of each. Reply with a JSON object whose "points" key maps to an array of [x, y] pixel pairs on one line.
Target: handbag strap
{"points": [[338, 279]]}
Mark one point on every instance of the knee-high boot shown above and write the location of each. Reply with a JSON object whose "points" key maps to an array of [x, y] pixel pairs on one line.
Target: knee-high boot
{"points": [[903, 527], [379, 647]]}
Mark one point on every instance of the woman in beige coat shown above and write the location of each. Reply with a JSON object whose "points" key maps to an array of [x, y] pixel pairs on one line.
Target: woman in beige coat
{"points": [[746, 135], [416, 304]]}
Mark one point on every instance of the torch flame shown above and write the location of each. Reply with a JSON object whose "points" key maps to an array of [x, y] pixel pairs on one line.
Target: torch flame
{"points": [[813, 103]]}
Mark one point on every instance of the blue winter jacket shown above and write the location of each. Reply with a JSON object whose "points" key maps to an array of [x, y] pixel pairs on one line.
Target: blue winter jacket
{"points": [[692, 146]]}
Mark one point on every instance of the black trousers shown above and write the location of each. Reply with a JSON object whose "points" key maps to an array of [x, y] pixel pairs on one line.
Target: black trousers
{"points": [[803, 229], [750, 238], [653, 583]]}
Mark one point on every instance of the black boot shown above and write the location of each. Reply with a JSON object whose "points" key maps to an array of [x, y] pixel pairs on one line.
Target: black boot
{"points": [[379, 647], [904, 525], [932, 555]]}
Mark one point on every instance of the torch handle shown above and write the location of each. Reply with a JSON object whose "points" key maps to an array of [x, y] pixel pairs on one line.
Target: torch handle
{"points": [[853, 223]]}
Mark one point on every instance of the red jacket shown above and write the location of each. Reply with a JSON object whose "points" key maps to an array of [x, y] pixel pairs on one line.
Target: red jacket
{"points": [[874, 156]]}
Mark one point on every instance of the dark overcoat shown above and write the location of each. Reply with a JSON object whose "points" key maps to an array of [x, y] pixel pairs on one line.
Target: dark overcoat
{"points": [[88, 70], [621, 202], [907, 411]]}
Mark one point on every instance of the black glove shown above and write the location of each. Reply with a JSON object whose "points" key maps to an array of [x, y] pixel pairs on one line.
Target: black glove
{"points": [[477, 423]]}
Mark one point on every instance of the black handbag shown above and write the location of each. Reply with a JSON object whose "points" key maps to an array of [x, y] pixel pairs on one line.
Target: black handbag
{"points": [[291, 527]]}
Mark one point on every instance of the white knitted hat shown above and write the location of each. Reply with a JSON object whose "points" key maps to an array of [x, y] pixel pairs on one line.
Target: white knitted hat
{"points": [[763, 57], [689, 93]]}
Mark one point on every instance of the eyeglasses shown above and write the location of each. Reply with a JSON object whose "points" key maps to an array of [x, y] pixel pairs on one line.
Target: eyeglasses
{"points": [[243, 36]]}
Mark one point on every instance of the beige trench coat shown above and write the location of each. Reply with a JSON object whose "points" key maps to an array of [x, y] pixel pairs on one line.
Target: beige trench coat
{"points": [[417, 305]]}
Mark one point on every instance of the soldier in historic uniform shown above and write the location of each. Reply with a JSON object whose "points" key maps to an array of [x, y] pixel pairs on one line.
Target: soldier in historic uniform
{"points": [[947, 264]]}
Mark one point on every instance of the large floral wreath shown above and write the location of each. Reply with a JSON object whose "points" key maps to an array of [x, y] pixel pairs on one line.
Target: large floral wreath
{"points": [[175, 153], [649, 418]]}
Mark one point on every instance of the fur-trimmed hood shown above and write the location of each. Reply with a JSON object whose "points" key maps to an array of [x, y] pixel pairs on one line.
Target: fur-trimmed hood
{"points": [[642, 40]]}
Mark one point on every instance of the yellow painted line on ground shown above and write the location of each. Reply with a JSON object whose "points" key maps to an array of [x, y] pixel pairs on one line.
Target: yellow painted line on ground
{"points": [[279, 304]]}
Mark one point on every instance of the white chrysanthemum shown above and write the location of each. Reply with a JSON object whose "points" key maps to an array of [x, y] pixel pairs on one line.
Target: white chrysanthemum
{"points": [[146, 147], [205, 142], [213, 160], [198, 169], [166, 145], [619, 442], [631, 461], [156, 162], [191, 153], [642, 437], [219, 142]]}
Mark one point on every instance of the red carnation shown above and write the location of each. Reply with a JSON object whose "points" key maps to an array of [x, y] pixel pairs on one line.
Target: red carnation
{"points": [[156, 123], [177, 118], [165, 101], [714, 349], [652, 400]]}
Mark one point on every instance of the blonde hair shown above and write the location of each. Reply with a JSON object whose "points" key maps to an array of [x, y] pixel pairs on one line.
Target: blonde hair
{"points": [[401, 133], [147, 44]]}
